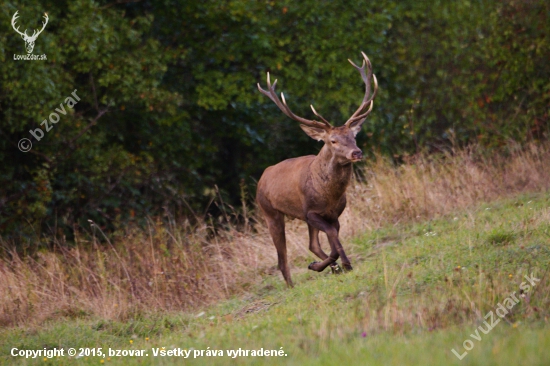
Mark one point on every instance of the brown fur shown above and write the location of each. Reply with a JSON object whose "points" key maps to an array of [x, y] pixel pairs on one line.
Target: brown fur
{"points": [[313, 189]]}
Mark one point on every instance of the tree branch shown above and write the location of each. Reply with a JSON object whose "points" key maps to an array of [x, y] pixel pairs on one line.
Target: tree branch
{"points": [[92, 122]]}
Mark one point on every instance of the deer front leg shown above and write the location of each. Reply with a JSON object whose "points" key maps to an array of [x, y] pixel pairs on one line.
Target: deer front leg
{"points": [[314, 245], [345, 261], [315, 248], [336, 249]]}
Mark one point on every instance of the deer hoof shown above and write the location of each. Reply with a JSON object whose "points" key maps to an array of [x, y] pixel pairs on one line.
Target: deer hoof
{"points": [[347, 267], [335, 268], [311, 266]]}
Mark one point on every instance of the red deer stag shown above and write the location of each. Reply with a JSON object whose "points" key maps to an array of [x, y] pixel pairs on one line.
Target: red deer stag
{"points": [[313, 188]]}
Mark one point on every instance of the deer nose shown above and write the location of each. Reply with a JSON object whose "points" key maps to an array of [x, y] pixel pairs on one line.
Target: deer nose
{"points": [[356, 155]]}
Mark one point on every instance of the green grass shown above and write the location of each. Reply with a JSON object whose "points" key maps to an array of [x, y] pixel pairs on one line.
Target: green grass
{"points": [[417, 291]]}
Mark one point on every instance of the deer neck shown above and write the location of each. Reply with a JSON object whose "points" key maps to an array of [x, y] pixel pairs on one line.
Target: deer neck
{"points": [[328, 175]]}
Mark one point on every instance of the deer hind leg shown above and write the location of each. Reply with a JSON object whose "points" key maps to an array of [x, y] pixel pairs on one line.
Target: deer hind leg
{"points": [[276, 224], [276, 227]]}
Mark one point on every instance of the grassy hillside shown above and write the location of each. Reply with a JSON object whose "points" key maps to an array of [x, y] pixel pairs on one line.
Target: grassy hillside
{"points": [[174, 265], [417, 291]]}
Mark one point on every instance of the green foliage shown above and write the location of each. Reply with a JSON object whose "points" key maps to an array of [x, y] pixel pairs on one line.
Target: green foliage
{"points": [[169, 106], [85, 167]]}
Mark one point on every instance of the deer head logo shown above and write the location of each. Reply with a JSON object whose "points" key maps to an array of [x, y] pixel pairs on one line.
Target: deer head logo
{"points": [[29, 40]]}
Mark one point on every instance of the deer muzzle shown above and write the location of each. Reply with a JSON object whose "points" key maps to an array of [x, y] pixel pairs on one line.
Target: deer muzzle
{"points": [[356, 155]]}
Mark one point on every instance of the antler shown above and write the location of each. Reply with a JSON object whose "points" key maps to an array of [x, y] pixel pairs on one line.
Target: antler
{"points": [[37, 33], [366, 76], [284, 107], [25, 35], [13, 21]]}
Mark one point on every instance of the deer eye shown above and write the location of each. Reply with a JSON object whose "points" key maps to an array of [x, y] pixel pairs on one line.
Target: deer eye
{"points": [[334, 141]]}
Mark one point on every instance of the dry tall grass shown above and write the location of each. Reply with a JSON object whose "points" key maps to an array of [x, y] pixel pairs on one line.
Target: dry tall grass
{"points": [[173, 266]]}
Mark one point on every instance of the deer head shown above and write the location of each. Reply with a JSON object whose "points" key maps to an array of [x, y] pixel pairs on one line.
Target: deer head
{"points": [[29, 40], [339, 140]]}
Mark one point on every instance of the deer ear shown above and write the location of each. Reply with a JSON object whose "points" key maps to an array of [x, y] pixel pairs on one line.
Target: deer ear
{"points": [[355, 127], [313, 132]]}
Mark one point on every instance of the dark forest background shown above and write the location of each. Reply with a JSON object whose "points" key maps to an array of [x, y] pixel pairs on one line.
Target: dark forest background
{"points": [[169, 108]]}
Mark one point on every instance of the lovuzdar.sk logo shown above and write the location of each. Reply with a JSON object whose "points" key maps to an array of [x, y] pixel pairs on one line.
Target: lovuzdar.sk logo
{"points": [[29, 40]]}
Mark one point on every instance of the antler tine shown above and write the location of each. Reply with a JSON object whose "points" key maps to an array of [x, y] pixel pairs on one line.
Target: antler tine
{"points": [[43, 24], [357, 67], [318, 115], [324, 124], [13, 21], [361, 116], [366, 76], [364, 115], [271, 94]]}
